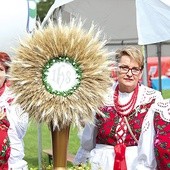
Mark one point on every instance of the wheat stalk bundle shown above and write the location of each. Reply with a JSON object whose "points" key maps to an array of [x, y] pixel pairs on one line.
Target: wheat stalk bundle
{"points": [[49, 47]]}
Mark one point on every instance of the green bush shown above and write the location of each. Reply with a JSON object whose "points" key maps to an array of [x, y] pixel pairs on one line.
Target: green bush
{"points": [[43, 7]]}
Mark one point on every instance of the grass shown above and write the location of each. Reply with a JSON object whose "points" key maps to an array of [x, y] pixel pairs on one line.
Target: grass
{"points": [[166, 94], [31, 143], [31, 140]]}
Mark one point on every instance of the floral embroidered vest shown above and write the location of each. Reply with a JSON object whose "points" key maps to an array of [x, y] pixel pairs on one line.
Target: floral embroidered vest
{"points": [[107, 125], [4, 126]]}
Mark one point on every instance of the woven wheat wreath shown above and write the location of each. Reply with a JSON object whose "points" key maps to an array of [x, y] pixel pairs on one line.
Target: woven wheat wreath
{"points": [[60, 74]]}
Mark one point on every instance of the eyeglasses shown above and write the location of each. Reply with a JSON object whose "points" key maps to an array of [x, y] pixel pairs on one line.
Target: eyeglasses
{"points": [[125, 70]]}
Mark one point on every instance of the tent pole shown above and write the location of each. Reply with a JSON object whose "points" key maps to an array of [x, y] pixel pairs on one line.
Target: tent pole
{"points": [[39, 147], [159, 66], [145, 72]]}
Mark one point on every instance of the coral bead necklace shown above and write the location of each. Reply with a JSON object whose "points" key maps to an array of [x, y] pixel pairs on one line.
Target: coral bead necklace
{"points": [[125, 109]]}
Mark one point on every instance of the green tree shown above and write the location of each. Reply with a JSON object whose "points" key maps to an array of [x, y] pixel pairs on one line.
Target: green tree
{"points": [[43, 7]]}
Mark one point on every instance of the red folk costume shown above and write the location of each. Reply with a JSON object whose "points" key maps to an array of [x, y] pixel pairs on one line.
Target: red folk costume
{"points": [[4, 138], [117, 134], [159, 139], [12, 130]]}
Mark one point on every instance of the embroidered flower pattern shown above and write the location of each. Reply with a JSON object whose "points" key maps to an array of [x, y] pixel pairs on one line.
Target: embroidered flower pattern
{"points": [[162, 144], [107, 125], [4, 143]]}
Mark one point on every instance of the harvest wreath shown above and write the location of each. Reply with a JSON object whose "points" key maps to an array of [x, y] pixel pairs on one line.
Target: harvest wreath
{"points": [[60, 73]]}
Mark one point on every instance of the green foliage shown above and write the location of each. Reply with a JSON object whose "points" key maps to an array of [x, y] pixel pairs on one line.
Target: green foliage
{"points": [[81, 167], [43, 7]]}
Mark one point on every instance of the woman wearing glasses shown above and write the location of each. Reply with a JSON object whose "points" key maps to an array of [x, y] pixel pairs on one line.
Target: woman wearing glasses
{"points": [[114, 141]]}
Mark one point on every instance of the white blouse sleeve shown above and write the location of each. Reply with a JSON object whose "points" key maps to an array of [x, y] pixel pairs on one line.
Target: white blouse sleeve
{"points": [[19, 120], [17, 130], [146, 156], [88, 141]]}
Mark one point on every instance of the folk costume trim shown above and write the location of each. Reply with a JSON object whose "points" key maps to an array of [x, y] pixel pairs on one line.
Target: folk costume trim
{"points": [[163, 108]]}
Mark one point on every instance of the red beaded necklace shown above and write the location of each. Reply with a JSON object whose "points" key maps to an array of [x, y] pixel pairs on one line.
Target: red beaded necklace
{"points": [[125, 109]]}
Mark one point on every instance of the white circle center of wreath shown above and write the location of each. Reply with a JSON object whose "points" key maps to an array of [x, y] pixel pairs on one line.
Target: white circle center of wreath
{"points": [[62, 76]]}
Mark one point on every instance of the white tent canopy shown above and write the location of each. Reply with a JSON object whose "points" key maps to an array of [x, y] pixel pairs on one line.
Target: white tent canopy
{"points": [[147, 22], [117, 18]]}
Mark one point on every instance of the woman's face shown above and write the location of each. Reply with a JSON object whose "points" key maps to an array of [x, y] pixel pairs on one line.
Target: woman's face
{"points": [[2, 75], [129, 74]]}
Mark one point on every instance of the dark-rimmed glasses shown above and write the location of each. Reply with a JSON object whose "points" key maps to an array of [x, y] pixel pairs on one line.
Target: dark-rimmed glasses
{"points": [[125, 70]]}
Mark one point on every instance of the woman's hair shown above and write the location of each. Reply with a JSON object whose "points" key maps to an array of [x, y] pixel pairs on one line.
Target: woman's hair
{"points": [[132, 52], [4, 58]]}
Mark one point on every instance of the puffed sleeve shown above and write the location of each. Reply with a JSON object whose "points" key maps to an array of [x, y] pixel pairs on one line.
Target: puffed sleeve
{"points": [[88, 141], [154, 142], [146, 156], [16, 132], [18, 120]]}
